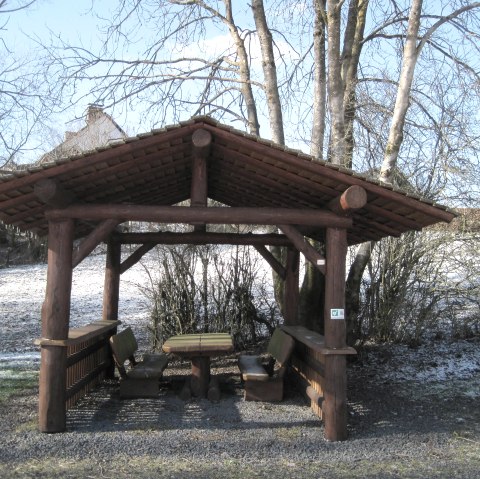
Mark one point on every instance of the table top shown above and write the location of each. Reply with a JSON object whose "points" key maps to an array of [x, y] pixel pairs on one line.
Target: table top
{"points": [[205, 344]]}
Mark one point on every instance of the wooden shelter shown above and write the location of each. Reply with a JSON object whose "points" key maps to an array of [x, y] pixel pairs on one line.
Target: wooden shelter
{"points": [[142, 179]]}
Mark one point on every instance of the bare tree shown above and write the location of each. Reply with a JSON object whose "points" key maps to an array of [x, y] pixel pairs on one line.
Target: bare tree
{"points": [[26, 95], [384, 87]]}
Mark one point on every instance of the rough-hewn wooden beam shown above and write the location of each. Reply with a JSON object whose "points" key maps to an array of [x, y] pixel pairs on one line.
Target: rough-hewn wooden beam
{"points": [[99, 234], [52, 193], [302, 244], [335, 386], [136, 256], [111, 288], [291, 290], [203, 238], [55, 323], [272, 261], [353, 198], [217, 215], [201, 140]]}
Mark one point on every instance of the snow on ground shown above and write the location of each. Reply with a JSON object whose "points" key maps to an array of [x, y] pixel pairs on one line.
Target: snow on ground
{"points": [[22, 291]]}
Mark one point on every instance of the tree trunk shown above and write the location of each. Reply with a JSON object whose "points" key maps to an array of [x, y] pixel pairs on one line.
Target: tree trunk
{"points": [[352, 47], [410, 56], [269, 72], [244, 72], [319, 83], [335, 83]]}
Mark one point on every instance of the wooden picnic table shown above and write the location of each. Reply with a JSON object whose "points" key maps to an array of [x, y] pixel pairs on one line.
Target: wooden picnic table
{"points": [[199, 348]]}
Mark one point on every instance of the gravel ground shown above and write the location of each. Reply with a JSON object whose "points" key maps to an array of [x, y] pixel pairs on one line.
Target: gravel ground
{"points": [[397, 428], [413, 413]]}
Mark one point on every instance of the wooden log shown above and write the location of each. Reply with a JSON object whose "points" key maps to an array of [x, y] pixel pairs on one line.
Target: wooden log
{"points": [[55, 324], [302, 244], [186, 392], [334, 312], [335, 388], [136, 256], [111, 289], [334, 406], [203, 238], [353, 198], [272, 261], [52, 193], [200, 375], [201, 140], [291, 289], [214, 389], [99, 234], [217, 215]]}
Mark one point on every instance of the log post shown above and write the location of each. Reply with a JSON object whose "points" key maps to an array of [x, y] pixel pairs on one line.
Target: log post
{"points": [[201, 140], [55, 324], [335, 391], [291, 290], [111, 287]]}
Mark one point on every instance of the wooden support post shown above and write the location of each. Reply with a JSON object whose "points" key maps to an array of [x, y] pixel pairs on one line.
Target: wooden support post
{"points": [[291, 291], [55, 324], [335, 389], [201, 140], [112, 282], [200, 378]]}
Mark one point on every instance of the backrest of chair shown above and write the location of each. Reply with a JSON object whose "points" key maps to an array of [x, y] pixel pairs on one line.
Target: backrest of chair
{"points": [[280, 346], [123, 345]]}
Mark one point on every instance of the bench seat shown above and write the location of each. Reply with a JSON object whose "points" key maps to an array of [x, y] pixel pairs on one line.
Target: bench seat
{"points": [[264, 382], [142, 378]]}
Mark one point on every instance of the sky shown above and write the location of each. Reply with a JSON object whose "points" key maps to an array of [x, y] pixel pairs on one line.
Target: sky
{"points": [[72, 21], [77, 22]]}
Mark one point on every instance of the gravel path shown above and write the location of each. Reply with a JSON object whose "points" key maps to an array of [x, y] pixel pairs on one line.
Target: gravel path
{"points": [[412, 414]]}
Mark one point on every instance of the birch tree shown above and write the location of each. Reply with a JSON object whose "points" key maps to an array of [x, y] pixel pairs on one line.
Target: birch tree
{"points": [[339, 78]]}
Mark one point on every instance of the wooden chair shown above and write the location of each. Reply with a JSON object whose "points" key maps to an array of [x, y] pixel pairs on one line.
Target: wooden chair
{"points": [[264, 382], [142, 378]]}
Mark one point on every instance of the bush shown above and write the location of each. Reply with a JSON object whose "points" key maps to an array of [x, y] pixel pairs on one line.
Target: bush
{"points": [[210, 289]]}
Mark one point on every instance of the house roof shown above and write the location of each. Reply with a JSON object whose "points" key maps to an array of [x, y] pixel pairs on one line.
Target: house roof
{"points": [[155, 168]]}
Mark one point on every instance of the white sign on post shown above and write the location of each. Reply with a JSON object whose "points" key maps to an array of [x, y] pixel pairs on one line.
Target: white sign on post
{"points": [[337, 314]]}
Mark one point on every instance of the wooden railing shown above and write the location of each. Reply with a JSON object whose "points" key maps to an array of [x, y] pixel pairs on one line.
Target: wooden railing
{"points": [[308, 363], [89, 359]]}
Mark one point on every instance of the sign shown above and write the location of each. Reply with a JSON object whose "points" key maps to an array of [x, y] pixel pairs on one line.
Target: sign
{"points": [[337, 314]]}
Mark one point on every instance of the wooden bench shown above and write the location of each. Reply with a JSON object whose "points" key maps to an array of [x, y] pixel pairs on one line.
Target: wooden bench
{"points": [[142, 378], [264, 382]]}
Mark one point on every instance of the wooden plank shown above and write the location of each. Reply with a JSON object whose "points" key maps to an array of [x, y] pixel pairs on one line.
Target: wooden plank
{"points": [[80, 335], [217, 215], [315, 341]]}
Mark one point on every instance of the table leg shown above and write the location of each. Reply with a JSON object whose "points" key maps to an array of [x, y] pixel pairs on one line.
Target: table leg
{"points": [[200, 375]]}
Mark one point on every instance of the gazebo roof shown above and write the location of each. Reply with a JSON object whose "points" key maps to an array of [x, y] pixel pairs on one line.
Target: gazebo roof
{"points": [[155, 169]]}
